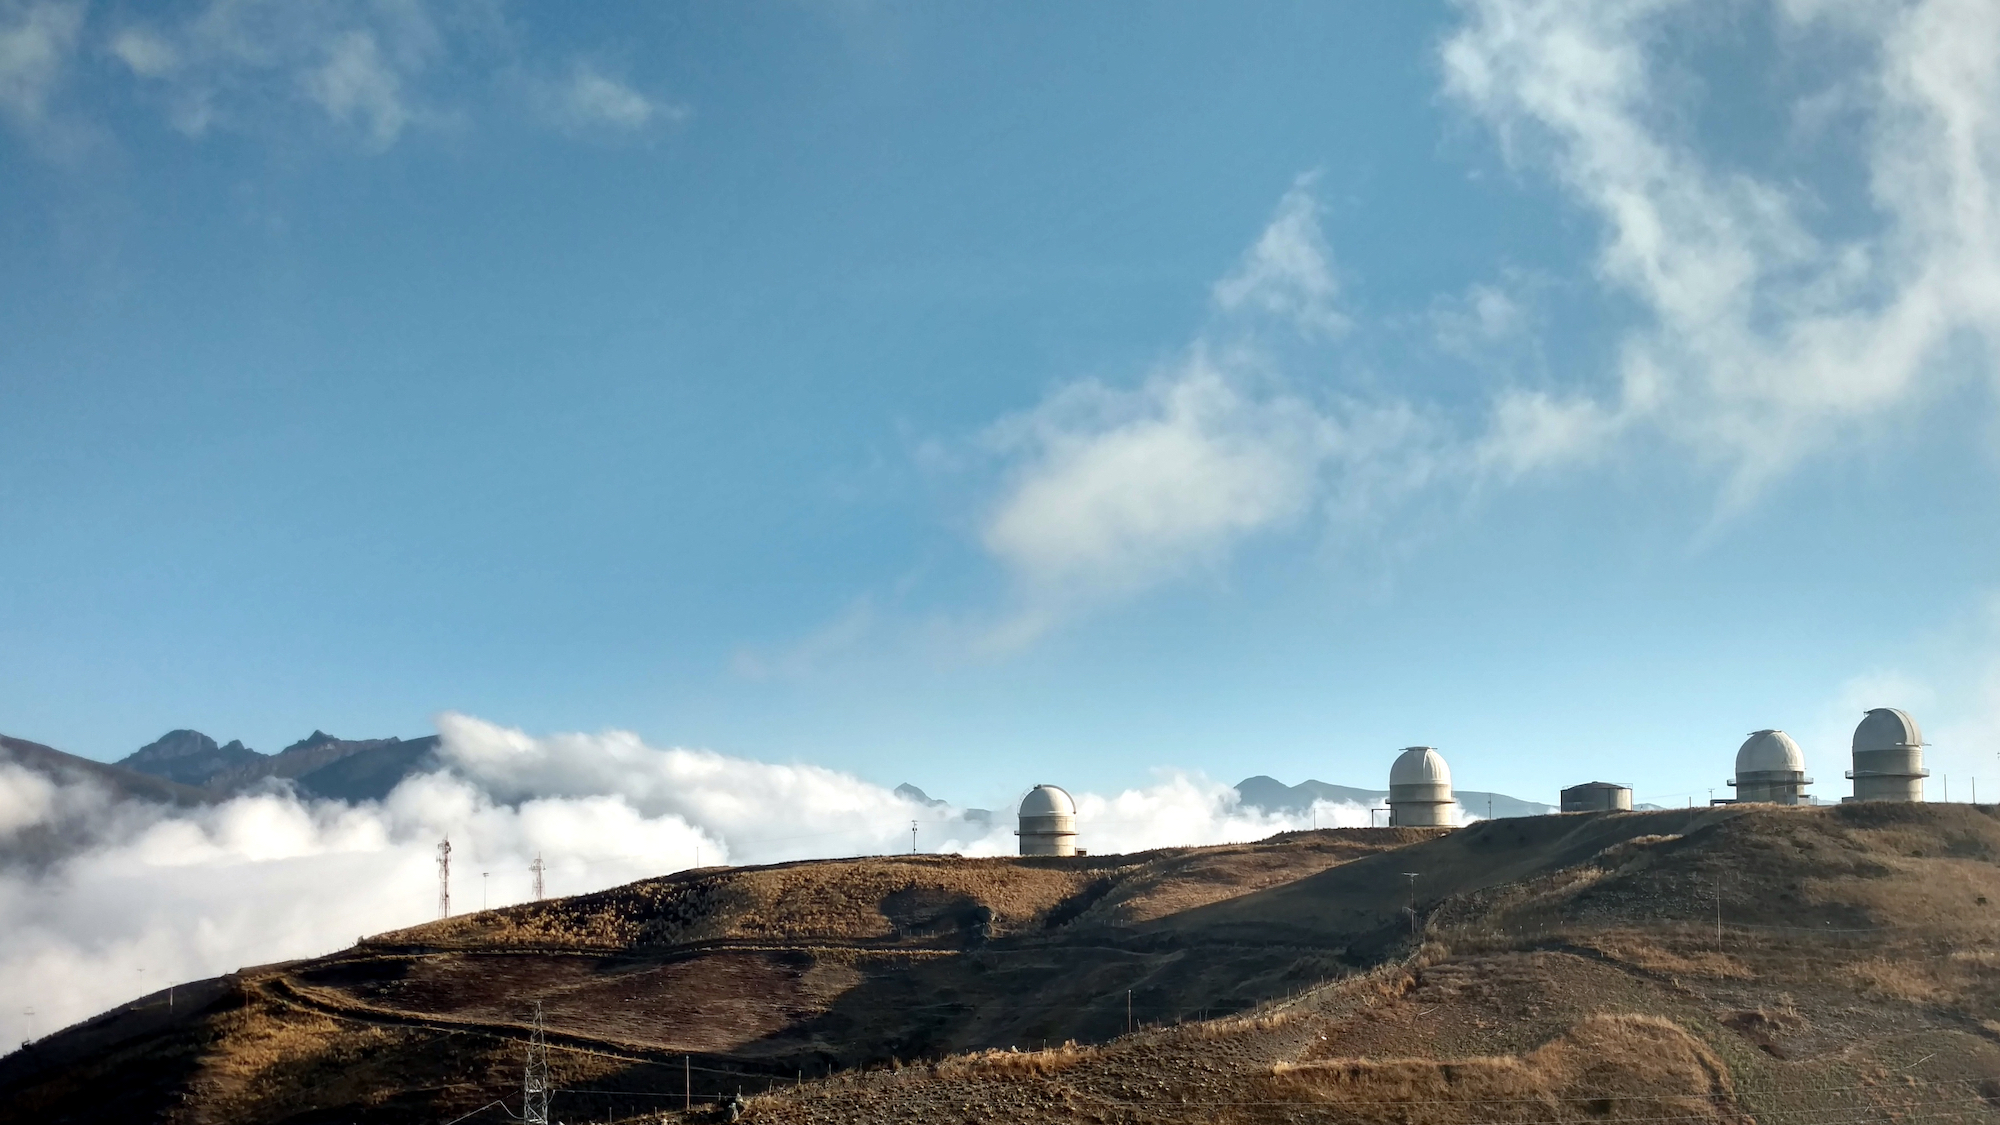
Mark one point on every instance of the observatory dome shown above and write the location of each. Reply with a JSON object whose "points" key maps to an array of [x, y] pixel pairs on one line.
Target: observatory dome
{"points": [[1888, 757], [1048, 822], [1420, 765], [1770, 751], [1886, 728], [1771, 768], [1420, 789], [1048, 800]]}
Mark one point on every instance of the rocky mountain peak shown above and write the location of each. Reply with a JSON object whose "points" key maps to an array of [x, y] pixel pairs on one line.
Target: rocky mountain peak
{"points": [[189, 757]]}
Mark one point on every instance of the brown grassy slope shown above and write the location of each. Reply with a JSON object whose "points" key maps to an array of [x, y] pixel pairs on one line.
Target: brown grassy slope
{"points": [[900, 900], [1569, 965], [1590, 991], [821, 964]]}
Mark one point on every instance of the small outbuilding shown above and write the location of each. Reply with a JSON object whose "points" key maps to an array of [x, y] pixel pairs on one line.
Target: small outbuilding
{"points": [[1420, 789], [1597, 796], [1048, 822]]}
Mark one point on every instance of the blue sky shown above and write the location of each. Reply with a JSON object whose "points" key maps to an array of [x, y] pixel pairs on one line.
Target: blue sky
{"points": [[982, 395]]}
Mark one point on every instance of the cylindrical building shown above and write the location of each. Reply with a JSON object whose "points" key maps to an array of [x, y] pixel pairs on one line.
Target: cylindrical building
{"points": [[1420, 789], [1888, 757], [1048, 822], [1771, 768], [1597, 796]]}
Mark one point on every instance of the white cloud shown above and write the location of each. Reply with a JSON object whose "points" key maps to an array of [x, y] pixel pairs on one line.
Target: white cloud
{"points": [[1120, 489], [26, 799], [1485, 317], [145, 53], [1113, 491], [148, 895], [1763, 343], [1533, 430], [590, 101], [245, 66], [1287, 272], [37, 41], [356, 84]]}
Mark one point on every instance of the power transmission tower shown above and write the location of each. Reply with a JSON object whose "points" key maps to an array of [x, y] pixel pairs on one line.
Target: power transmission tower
{"points": [[535, 1087], [444, 877], [536, 867]]}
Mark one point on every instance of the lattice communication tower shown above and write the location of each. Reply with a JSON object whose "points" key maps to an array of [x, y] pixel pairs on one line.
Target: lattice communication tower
{"points": [[444, 877]]}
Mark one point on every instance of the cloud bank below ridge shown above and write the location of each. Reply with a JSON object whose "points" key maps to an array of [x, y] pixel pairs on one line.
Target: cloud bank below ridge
{"points": [[159, 895]]}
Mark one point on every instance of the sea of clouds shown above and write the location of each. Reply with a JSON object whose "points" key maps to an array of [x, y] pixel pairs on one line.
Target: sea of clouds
{"points": [[138, 896]]}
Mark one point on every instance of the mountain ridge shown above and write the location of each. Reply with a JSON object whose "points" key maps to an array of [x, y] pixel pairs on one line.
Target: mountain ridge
{"points": [[1273, 796]]}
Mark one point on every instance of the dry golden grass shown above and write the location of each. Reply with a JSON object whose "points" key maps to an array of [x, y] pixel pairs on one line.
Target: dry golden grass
{"points": [[265, 1057], [1183, 879], [864, 900], [1913, 982], [1649, 953], [1016, 1064], [1606, 1068]]}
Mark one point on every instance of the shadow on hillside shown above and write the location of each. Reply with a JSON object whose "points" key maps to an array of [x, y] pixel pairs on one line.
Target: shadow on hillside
{"points": [[126, 1064]]}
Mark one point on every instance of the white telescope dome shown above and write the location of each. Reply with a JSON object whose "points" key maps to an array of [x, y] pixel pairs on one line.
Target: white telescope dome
{"points": [[1048, 800], [1048, 822], [1420, 765], [1770, 751], [1888, 757], [1886, 728]]}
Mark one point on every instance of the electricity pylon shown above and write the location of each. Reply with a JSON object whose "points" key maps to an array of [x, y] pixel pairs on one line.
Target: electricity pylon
{"points": [[535, 1088]]}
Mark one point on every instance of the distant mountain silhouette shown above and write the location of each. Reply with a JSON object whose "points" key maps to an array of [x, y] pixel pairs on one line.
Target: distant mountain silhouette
{"points": [[320, 764], [369, 773], [912, 793], [48, 839], [118, 781], [189, 757], [1271, 795]]}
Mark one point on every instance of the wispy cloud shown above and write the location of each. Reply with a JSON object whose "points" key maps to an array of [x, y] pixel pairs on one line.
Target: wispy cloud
{"points": [[1287, 273], [241, 66], [1763, 342], [589, 101], [1118, 489], [1112, 491], [373, 73], [1758, 342], [356, 85], [38, 41]]}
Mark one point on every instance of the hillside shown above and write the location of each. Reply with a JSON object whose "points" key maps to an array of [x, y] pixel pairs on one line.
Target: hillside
{"points": [[1556, 968]]}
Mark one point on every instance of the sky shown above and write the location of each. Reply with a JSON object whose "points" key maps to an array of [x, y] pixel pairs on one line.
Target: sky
{"points": [[984, 395]]}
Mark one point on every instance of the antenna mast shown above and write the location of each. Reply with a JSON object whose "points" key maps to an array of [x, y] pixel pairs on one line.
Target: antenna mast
{"points": [[535, 1086], [536, 867], [444, 877]]}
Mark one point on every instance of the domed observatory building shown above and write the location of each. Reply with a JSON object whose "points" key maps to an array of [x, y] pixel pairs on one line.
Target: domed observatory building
{"points": [[1048, 822], [1771, 769], [1420, 790], [1888, 757]]}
